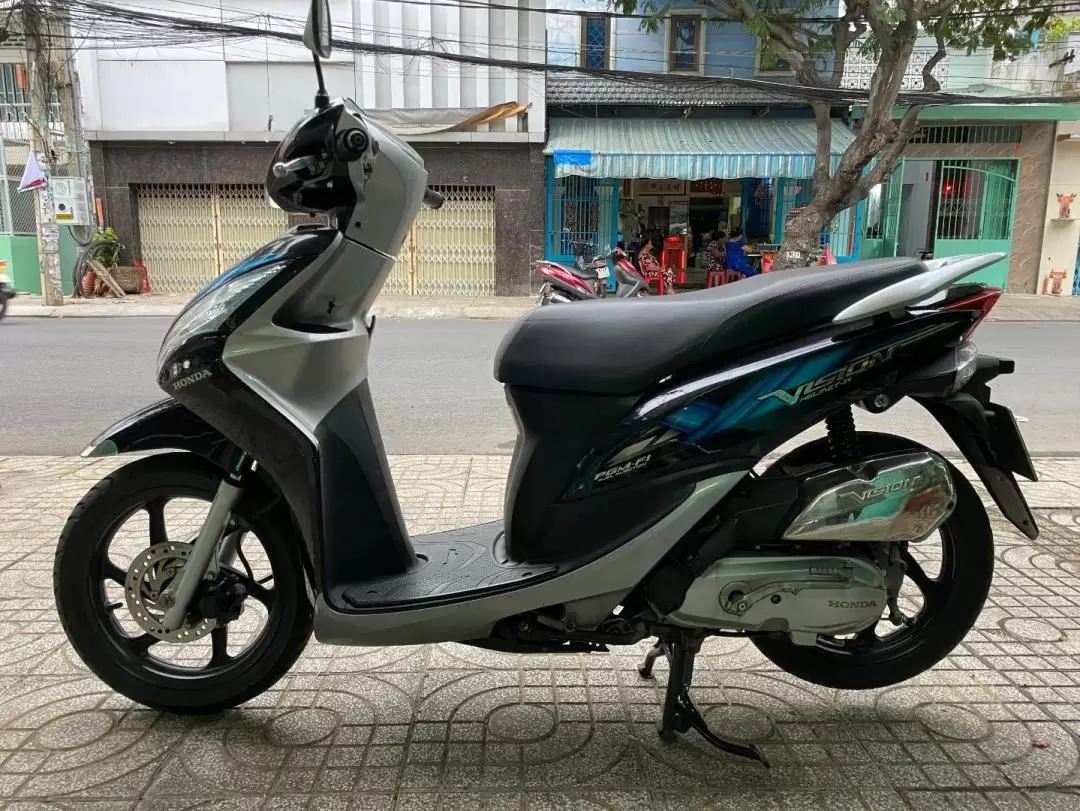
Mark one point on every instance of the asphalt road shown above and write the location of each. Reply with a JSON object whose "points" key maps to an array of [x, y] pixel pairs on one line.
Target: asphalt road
{"points": [[63, 380]]}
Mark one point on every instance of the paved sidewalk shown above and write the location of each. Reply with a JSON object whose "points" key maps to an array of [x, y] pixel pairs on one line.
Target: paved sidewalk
{"points": [[996, 726], [1012, 307]]}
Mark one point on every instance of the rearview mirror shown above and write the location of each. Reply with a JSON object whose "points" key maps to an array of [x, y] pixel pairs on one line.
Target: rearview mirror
{"points": [[317, 30]]}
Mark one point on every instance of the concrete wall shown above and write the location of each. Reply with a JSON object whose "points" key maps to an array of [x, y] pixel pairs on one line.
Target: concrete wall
{"points": [[516, 171], [1034, 72], [245, 89], [1061, 236]]}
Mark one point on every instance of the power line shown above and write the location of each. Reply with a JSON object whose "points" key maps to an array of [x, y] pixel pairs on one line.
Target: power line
{"points": [[517, 45], [819, 94]]}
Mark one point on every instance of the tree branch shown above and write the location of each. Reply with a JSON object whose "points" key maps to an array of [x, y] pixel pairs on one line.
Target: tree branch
{"points": [[782, 32], [887, 156], [929, 80], [846, 34], [879, 24], [938, 9]]}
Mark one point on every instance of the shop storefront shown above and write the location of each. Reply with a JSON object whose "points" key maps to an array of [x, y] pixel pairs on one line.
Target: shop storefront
{"points": [[610, 180]]}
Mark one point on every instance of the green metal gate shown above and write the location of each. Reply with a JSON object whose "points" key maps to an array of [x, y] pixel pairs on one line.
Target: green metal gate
{"points": [[581, 209], [975, 207]]}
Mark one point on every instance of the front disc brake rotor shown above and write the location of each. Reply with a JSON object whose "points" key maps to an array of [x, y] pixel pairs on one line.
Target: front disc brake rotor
{"points": [[148, 577]]}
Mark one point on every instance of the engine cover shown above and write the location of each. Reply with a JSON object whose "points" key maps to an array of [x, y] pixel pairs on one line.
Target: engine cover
{"points": [[803, 595], [900, 497]]}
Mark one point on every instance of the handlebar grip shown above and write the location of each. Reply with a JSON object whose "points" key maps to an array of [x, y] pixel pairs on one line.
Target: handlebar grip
{"points": [[432, 199]]}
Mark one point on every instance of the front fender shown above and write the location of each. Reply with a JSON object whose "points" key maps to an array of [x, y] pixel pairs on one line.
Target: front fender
{"points": [[167, 425], [164, 425]]}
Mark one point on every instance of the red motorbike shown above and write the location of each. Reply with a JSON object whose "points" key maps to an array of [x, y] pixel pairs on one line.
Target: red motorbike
{"points": [[561, 284]]}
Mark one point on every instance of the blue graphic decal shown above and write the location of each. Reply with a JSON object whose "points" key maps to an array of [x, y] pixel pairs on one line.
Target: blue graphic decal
{"points": [[704, 418]]}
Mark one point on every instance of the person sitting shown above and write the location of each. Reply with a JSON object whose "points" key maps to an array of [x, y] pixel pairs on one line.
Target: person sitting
{"points": [[736, 254], [651, 269], [715, 259]]}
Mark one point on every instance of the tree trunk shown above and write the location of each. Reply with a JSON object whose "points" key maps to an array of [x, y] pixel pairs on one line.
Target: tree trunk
{"points": [[802, 234], [878, 143]]}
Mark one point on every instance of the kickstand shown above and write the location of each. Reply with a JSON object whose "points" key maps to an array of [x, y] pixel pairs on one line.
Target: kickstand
{"points": [[680, 715]]}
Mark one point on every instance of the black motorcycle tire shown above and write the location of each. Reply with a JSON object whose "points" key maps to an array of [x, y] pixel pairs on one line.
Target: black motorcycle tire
{"points": [[3, 305], [969, 533], [90, 529]]}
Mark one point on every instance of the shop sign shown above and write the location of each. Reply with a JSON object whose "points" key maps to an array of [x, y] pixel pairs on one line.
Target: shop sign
{"points": [[661, 188]]}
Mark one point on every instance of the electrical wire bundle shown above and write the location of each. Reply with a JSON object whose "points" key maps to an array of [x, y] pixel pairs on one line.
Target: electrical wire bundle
{"points": [[105, 25]]}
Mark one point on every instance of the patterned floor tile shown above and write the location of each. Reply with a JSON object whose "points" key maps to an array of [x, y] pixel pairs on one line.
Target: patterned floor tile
{"points": [[995, 726]]}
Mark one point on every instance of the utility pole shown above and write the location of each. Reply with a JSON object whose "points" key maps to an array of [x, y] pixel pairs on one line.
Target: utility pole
{"points": [[73, 160], [37, 31]]}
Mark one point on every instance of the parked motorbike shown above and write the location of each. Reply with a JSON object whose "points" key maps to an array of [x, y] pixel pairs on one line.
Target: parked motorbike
{"points": [[7, 291], [587, 279], [561, 284], [639, 518]]}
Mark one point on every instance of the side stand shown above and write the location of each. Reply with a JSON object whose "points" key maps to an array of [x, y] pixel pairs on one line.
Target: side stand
{"points": [[680, 715]]}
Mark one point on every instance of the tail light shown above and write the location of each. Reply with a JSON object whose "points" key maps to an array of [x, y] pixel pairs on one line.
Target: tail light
{"points": [[981, 302]]}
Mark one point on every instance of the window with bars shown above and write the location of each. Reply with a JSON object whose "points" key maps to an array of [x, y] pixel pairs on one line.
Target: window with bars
{"points": [[968, 134], [595, 41], [686, 35], [15, 95], [975, 199]]}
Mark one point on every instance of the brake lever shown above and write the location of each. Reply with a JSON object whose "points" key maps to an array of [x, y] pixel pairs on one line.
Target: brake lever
{"points": [[307, 164]]}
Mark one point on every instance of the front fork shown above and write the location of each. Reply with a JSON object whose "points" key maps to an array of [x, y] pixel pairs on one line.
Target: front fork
{"points": [[208, 541]]}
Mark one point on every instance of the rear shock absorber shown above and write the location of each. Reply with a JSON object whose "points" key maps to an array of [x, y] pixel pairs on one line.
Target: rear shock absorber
{"points": [[843, 440]]}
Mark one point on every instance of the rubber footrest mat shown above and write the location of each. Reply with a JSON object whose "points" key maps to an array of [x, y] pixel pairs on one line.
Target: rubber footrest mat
{"points": [[449, 564]]}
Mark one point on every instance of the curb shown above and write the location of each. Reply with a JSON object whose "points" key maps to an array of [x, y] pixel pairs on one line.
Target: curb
{"points": [[418, 311], [96, 312], [413, 313]]}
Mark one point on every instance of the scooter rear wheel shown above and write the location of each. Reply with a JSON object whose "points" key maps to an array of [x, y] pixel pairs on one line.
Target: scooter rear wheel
{"points": [[945, 588], [111, 608]]}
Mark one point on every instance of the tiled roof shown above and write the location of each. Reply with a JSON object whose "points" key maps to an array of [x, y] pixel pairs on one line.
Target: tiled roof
{"points": [[569, 89]]}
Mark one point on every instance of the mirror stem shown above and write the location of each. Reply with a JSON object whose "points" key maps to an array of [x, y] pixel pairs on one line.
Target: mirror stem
{"points": [[322, 98]]}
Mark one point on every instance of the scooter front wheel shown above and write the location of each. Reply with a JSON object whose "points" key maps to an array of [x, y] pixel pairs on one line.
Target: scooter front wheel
{"points": [[126, 543]]}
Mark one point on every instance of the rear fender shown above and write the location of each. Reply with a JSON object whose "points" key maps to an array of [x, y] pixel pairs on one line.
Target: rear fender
{"points": [[987, 436]]}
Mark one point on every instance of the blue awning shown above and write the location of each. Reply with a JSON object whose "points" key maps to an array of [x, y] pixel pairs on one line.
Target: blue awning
{"points": [[688, 149]]}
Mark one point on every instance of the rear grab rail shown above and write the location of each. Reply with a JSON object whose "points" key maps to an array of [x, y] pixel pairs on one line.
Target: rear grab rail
{"points": [[939, 274]]}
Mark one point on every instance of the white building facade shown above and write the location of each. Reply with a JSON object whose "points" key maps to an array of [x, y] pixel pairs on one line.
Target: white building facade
{"points": [[181, 134]]}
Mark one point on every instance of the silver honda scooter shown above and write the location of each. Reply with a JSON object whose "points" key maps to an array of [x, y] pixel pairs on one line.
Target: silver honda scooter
{"points": [[631, 511]]}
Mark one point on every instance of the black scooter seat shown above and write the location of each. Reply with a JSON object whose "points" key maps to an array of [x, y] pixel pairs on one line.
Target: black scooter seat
{"points": [[624, 346]]}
